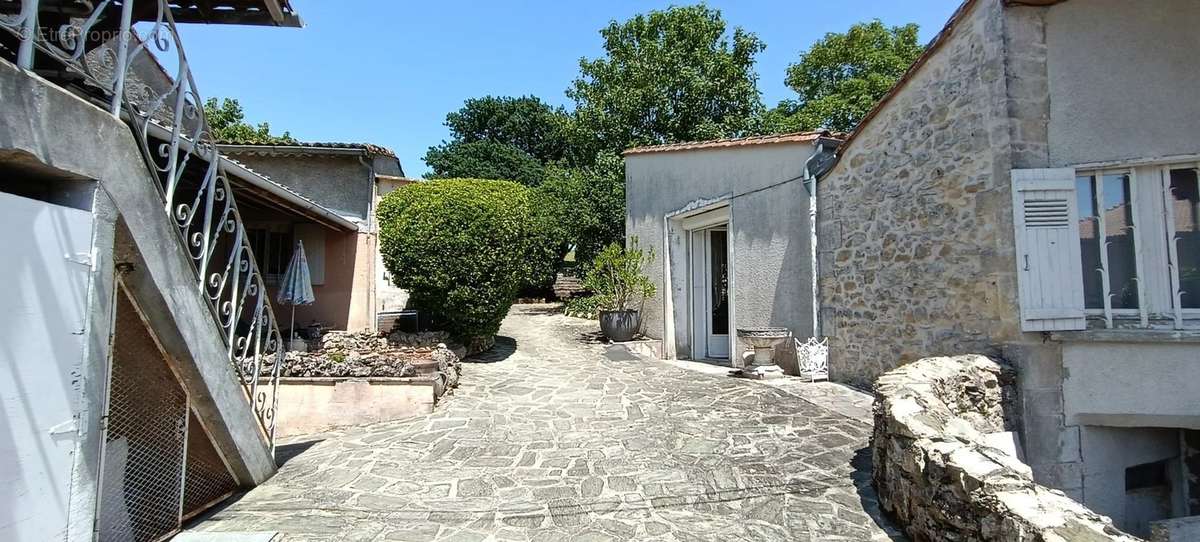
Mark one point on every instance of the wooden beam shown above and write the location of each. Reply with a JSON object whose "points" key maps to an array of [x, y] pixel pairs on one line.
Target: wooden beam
{"points": [[194, 14], [275, 11]]}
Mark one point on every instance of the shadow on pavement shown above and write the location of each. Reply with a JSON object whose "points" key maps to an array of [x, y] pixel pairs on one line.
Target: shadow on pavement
{"points": [[287, 452], [866, 493], [504, 347]]}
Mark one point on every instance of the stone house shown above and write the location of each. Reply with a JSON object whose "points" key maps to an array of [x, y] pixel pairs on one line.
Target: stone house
{"points": [[136, 324], [1029, 190], [729, 223], [349, 281]]}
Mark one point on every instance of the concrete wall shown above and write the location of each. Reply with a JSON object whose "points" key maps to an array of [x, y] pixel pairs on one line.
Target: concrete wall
{"points": [[769, 232], [340, 183], [1123, 79], [316, 405], [1107, 452], [389, 297], [1098, 388], [346, 298]]}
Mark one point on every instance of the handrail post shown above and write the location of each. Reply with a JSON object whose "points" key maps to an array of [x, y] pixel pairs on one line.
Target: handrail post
{"points": [[29, 31], [122, 56]]}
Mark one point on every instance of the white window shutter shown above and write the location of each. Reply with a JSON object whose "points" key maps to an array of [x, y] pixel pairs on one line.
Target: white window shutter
{"points": [[1049, 276]]}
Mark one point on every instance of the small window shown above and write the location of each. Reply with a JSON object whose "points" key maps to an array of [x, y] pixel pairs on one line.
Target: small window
{"points": [[1106, 233], [272, 251], [1147, 475]]}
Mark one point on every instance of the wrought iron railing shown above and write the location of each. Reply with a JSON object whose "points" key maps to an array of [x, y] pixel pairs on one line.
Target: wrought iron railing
{"points": [[97, 43]]}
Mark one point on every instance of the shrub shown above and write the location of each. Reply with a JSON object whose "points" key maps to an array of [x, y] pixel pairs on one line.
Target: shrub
{"points": [[460, 247], [616, 276], [583, 307]]}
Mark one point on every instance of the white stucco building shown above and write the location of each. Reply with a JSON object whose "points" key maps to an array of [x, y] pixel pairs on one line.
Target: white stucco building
{"points": [[729, 223]]}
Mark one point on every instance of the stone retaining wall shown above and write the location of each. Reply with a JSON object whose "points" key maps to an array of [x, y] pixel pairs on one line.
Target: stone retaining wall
{"points": [[938, 473]]}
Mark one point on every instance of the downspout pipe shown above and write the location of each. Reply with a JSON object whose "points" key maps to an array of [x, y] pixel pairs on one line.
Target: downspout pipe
{"points": [[810, 182]]}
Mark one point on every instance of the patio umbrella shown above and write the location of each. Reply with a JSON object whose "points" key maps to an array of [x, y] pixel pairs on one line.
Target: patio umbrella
{"points": [[296, 287]]}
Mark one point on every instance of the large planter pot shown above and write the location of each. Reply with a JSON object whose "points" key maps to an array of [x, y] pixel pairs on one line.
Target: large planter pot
{"points": [[620, 326]]}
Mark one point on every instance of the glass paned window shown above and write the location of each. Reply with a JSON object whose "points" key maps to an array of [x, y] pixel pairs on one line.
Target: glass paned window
{"points": [[1106, 224], [720, 283], [272, 251], [1185, 199], [1089, 244]]}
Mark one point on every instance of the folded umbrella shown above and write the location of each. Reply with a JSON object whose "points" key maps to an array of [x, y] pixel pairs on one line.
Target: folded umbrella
{"points": [[296, 287]]}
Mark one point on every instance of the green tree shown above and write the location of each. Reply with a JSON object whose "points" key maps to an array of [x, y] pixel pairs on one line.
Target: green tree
{"points": [[500, 137], [227, 122], [483, 159], [587, 205], [666, 76], [842, 76], [525, 122]]}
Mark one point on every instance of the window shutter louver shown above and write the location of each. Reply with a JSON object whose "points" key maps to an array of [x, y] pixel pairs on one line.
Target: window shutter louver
{"points": [[1046, 218]]}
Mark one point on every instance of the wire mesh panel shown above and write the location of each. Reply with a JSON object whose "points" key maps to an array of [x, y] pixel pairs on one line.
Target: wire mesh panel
{"points": [[142, 482], [207, 481]]}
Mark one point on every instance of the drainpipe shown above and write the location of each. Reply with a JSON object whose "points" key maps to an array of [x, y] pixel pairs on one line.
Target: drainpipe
{"points": [[810, 182], [373, 228]]}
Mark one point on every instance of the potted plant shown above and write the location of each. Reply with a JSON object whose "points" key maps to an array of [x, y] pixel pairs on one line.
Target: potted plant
{"points": [[620, 287]]}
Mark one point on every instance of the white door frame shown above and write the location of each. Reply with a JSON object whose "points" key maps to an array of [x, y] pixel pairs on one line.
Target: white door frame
{"points": [[706, 343], [695, 222]]}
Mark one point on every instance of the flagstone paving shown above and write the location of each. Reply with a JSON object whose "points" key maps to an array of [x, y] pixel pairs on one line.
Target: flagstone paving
{"points": [[549, 438]]}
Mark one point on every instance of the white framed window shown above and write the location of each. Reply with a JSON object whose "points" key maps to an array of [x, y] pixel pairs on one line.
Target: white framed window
{"points": [[1117, 245]]}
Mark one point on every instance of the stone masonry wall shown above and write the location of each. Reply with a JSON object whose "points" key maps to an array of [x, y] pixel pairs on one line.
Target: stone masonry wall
{"points": [[935, 473], [916, 244]]}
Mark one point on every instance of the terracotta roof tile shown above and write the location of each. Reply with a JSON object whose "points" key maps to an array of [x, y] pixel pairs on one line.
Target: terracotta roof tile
{"points": [[796, 137], [367, 148]]}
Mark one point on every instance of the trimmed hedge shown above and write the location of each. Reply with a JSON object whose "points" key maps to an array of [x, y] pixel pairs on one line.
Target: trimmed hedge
{"points": [[460, 247]]}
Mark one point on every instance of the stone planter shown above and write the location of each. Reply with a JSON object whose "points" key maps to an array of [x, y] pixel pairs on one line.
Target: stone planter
{"points": [[620, 326], [763, 340]]}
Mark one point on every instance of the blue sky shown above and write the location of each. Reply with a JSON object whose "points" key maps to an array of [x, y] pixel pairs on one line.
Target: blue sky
{"points": [[388, 71]]}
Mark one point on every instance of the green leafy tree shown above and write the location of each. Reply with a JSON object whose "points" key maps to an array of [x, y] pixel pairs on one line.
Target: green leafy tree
{"points": [[483, 159], [587, 205], [227, 121], [842, 76], [500, 138], [524, 122], [461, 248], [670, 75]]}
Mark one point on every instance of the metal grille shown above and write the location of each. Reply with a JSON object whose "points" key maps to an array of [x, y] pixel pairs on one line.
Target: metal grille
{"points": [[208, 481], [144, 442]]}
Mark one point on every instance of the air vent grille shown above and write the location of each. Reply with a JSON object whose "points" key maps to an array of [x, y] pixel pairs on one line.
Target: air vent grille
{"points": [[1046, 213]]}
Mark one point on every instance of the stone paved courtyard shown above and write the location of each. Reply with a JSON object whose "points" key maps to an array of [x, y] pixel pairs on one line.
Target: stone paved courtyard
{"points": [[553, 437]]}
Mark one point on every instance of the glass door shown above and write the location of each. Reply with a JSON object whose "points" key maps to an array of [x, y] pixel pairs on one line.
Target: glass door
{"points": [[716, 292]]}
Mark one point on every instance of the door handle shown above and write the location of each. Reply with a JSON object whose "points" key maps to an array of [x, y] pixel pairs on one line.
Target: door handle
{"points": [[1026, 262]]}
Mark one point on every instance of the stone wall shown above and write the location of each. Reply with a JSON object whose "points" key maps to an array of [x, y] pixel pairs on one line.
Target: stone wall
{"points": [[915, 226], [938, 473]]}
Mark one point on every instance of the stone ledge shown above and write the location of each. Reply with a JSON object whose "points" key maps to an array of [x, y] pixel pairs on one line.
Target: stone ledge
{"points": [[1129, 336], [936, 474]]}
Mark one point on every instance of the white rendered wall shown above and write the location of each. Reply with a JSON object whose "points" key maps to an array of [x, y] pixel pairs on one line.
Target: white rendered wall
{"points": [[42, 320]]}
